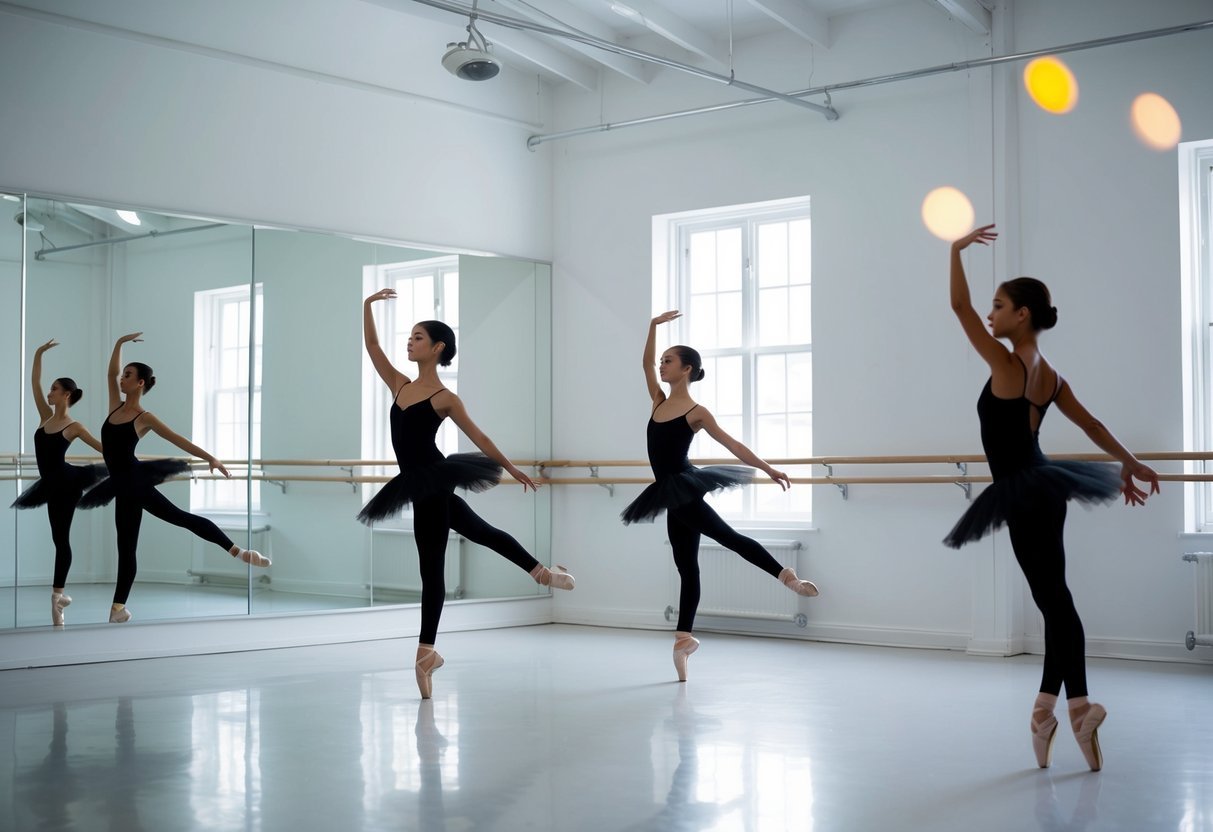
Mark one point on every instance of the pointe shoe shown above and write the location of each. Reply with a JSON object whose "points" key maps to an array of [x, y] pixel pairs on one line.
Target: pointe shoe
{"points": [[1043, 733], [556, 580], [684, 645], [425, 667], [788, 578], [58, 602], [1086, 729], [120, 616], [252, 557]]}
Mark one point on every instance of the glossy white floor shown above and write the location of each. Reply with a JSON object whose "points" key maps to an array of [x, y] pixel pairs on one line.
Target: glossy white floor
{"points": [[576, 728]]}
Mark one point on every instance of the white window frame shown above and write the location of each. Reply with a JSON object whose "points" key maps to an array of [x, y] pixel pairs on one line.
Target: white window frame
{"points": [[376, 398], [1196, 274], [208, 494], [671, 290]]}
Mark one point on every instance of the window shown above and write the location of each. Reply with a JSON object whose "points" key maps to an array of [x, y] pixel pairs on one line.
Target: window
{"points": [[425, 290], [227, 334], [742, 277], [1196, 259]]}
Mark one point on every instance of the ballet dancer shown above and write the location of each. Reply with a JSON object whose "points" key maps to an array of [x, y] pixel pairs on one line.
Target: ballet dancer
{"points": [[60, 485], [428, 480], [132, 482], [1030, 491], [680, 487]]}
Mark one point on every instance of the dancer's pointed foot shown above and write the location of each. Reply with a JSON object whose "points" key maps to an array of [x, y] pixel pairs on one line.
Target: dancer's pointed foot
{"points": [[788, 578], [249, 556], [428, 660], [684, 645], [119, 614], [1044, 728], [556, 580], [58, 601], [1085, 719]]}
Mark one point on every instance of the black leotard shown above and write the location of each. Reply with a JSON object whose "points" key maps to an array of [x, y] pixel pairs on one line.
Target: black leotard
{"points": [[424, 471], [1021, 471], [128, 473], [56, 476], [678, 482]]}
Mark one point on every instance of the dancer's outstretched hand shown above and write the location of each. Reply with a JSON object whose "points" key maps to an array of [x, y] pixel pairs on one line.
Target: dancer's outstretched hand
{"points": [[526, 481], [134, 336], [382, 294], [666, 317], [48, 345], [216, 465], [1134, 495], [984, 235], [780, 477]]}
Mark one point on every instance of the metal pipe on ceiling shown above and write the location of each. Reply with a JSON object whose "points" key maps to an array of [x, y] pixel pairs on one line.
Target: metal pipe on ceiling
{"points": [[826, 89], [729, 80]]}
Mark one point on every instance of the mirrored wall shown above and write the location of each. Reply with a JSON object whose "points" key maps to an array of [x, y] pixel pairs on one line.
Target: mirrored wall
{"points": [[255, 339]]}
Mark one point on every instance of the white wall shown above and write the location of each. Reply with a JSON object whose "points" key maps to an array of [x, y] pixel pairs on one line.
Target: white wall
{"points": [[338, 121], [893, 373]]}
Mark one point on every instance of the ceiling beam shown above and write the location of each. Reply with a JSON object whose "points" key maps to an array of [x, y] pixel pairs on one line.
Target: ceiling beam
{"points": [[971, 13], [810, 25], [561, 14], [660, 20], [538, 52]]}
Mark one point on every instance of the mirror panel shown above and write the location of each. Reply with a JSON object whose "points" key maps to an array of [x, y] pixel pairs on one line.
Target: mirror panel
{"points": [[102, 274], [12, 378]]}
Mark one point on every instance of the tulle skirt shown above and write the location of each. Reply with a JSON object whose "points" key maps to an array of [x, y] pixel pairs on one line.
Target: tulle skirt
{"points": [[1086, 482], [143, 475], [70, 480], [684, 487], [474, 472]]}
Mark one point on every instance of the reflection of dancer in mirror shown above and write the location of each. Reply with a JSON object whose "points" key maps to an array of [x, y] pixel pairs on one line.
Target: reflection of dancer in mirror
{"points": [[680, 487], [60, 485], [1030, 491], [132, 482], [428, 480]]}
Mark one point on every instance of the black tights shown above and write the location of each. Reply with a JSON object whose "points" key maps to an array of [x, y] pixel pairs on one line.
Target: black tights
{"points": [[128, 515], [61, 510], [1036, 537], [685, 525], [433, 520]]}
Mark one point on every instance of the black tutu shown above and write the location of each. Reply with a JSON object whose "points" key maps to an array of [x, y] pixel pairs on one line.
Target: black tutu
{"points": [[684, 487], [474, 472], [1086, 482], [70, 479], [143, 475]]}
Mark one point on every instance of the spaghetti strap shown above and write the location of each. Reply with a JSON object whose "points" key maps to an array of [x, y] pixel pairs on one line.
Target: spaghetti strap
{"points": [[1024, 394], [396, 395]]}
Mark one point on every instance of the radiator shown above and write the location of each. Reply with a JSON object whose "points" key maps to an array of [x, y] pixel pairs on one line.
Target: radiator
{"points": [[731, 587], [211, 565], [394, 573], [1203, 634]]}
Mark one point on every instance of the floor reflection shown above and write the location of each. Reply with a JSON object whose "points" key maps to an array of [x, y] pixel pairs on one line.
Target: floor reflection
{"points": [[1049, 813]]}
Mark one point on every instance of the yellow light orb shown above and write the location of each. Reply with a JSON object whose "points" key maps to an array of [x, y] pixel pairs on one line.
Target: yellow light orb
{"points": [[947, 213], [1051, 85], [1155, 121]]}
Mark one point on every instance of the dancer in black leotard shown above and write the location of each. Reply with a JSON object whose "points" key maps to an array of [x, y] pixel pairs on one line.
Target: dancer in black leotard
{"points": [[428, 480], [60, 485], [680, 487], [1030, 491], [132, 483]]}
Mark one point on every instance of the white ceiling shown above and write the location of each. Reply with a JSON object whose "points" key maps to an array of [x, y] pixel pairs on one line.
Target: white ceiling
{"points": [[688, 31]]}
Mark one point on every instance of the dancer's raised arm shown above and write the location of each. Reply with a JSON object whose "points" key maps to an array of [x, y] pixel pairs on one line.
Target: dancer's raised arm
{"points": [[45, 411], [115, 369], [392, 377], [650, 356], [988, 347]]}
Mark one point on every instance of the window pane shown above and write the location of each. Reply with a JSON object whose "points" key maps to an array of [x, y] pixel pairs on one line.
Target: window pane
{"points": [[800, 315], [728, 259], [799, 269], [771, 386], [242, 322], [800, 381], [800, 434], [450, 299], [730, 391], [772, 436], [227, 368], [729, 320], [772, 317], [703, 262], [703, 322], [773, 254], [423, 299]]}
